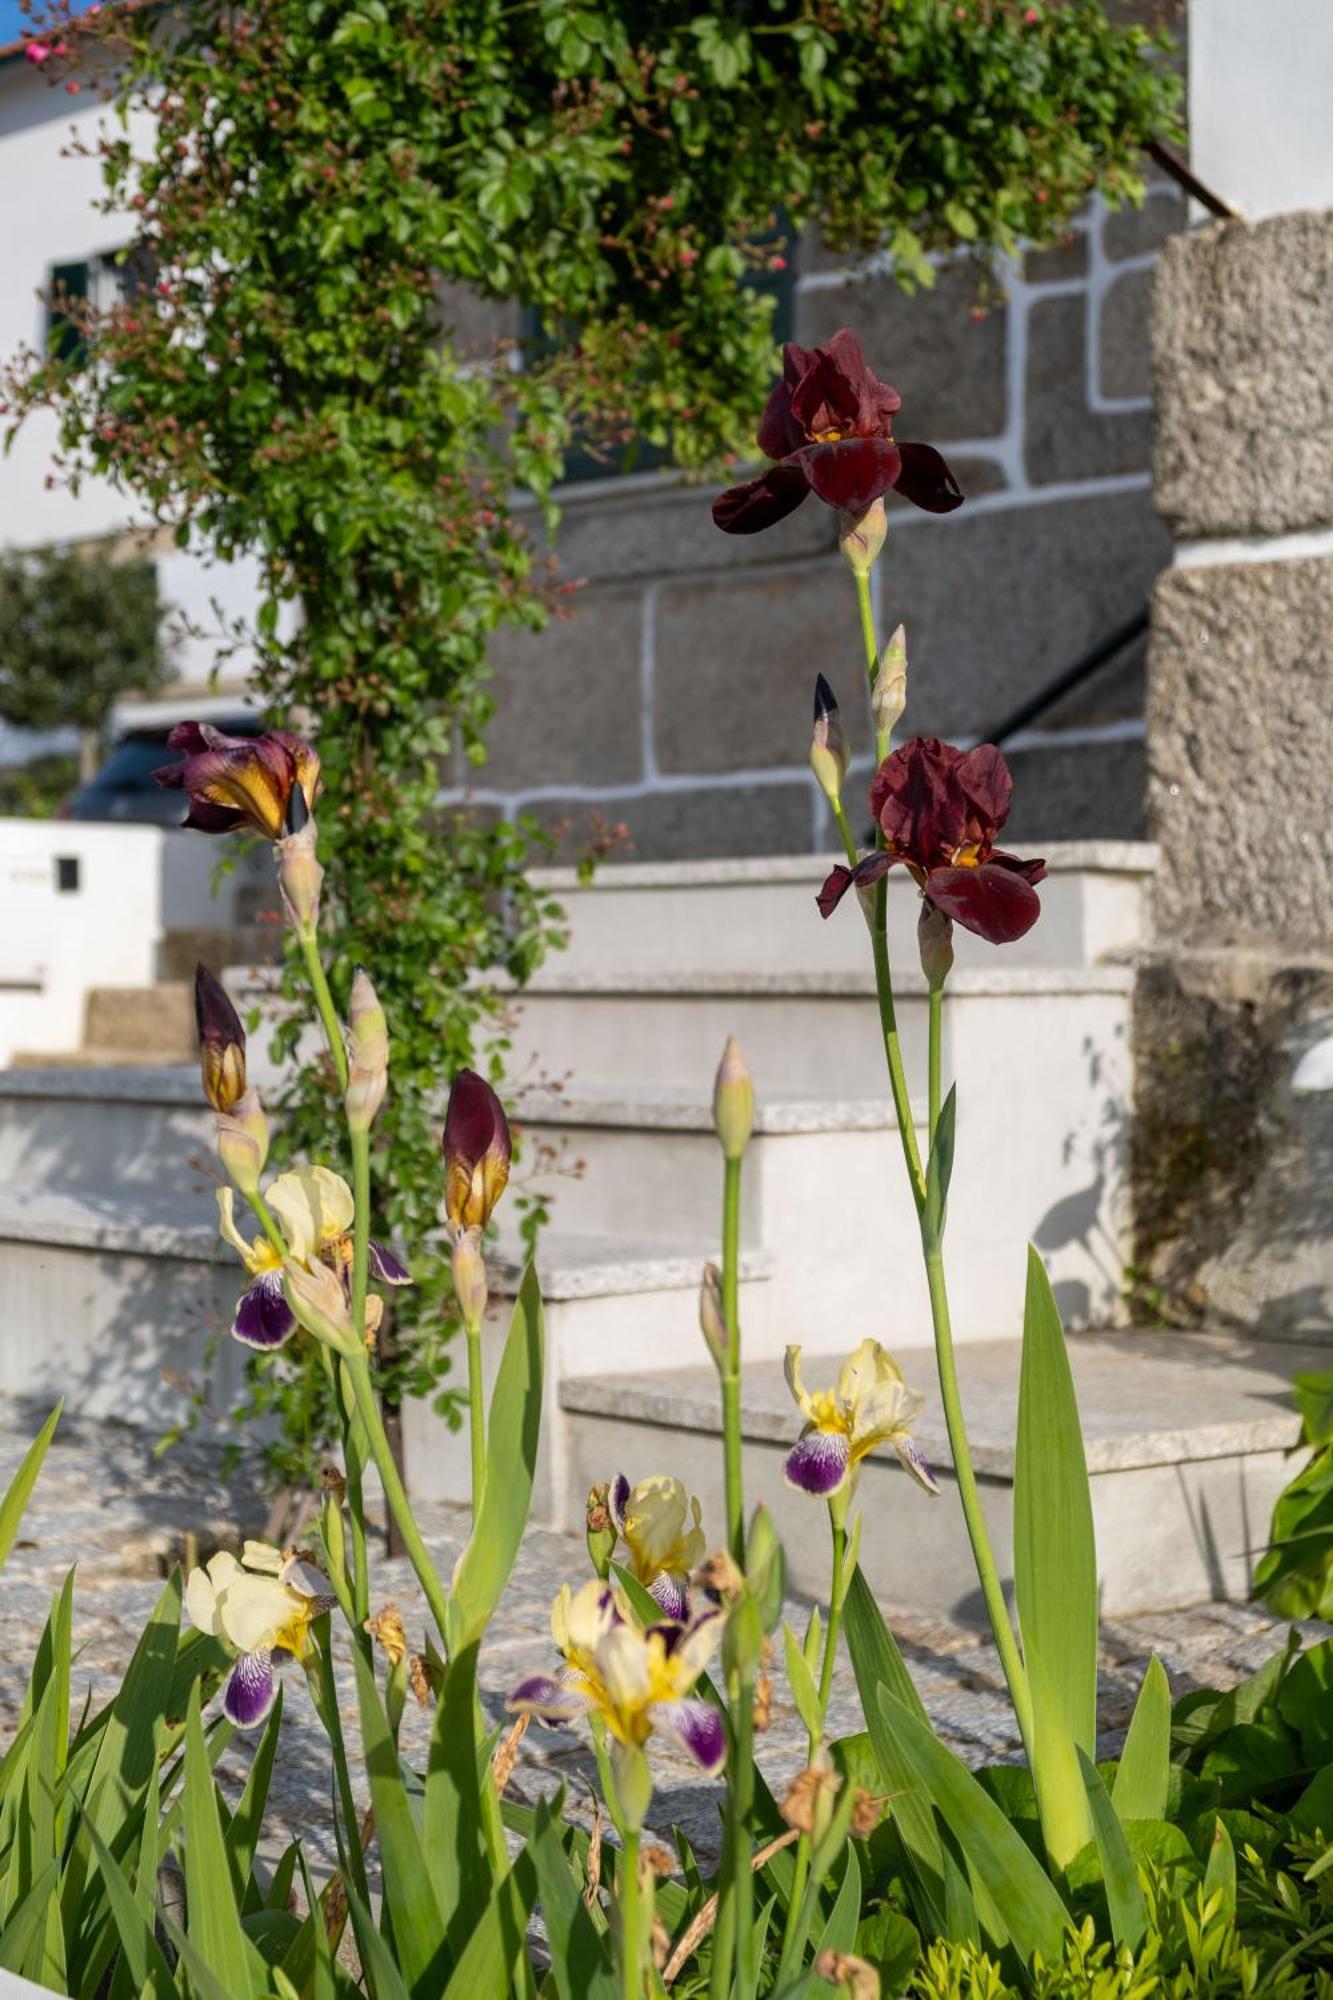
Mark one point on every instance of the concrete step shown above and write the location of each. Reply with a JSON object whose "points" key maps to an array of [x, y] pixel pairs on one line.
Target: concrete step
{"points": [[824, 1189], [1187, 1439], [95, 1058], [808, 1033], [157, 1020], [660, 916], [114, 1296]]}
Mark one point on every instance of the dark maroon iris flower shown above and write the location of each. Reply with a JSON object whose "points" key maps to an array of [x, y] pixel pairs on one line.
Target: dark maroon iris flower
{"points": [[234, 781], [939, 809], [829, 425]]}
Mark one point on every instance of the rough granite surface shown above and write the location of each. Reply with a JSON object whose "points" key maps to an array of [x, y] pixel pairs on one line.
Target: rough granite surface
{"points": [[1242, 377], [1240, 739], [105, 1503]]}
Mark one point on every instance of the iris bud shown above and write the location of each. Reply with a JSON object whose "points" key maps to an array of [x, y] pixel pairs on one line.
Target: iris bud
{"points": [[299, 873], [600, 1531], [316, 1297], [242, 1138], [888, 697], [712, 1320], [765, 1568], [861, 537], [469, 1269], [733, 1102], [477, 1151], [221, 1042], [934, 938], [633, 1781], [368, 1054], [828, 745]]}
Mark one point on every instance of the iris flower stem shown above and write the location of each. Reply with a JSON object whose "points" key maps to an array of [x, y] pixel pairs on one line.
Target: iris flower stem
{"points": [[360, 1142], [961, 1451], [358, 1368], [982, 1555], [933, 1061], [332, 1719], [869, 637], [264, 1217], [328, 1013], [633, 1931], [793, 1940], [845, 832], [742, 1808], [731, 1374], [477, 1418]]}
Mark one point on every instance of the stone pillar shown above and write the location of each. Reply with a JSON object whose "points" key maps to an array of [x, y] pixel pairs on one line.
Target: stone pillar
{"points": [[1234, 1138]]}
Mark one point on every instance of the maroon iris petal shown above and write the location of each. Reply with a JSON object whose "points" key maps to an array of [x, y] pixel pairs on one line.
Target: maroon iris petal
{"points": [[867, 870], [777, 433], [995, 903], [984, 776], [1031, 871], [759, 503], [389, 1270], [818, 1463], [263, 1317], [851, 473], [251, 1690], [696, 1727], [924, 478]]}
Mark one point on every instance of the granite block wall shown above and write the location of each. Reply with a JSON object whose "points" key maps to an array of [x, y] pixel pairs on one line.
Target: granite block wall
{"points": [[674, 701]]}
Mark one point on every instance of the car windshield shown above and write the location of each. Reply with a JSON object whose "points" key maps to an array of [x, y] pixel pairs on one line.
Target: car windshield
{"points": [[130, 766]]}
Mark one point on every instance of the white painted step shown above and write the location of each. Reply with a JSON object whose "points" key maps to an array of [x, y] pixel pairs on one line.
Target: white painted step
{"points": [[663, 916], [811, 1034], [110, 1300], [1187, 1436]]}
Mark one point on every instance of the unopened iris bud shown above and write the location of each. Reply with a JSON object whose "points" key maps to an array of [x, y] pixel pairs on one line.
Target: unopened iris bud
{"points": [[888, 696], [299, 873], [316, 1298], [367, 1054], [934, 938], [854, 1977], [242, 1138], [221, 1042], [477, 1151], [828, 745], [733, 1102], [600, 1530], [861, 537], [712, 1319], [765, 1568], [469, 1269]]}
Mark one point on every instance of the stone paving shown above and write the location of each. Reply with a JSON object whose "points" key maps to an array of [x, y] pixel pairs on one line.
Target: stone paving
{"points": [[106, 1504]]}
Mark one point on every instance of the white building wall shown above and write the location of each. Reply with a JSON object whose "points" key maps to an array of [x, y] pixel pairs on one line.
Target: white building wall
{"points": [[1261, 103], [50, 214]]}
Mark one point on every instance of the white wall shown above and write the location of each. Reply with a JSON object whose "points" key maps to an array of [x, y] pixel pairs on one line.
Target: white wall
{"points": [[1261, 102], [49, 215]]}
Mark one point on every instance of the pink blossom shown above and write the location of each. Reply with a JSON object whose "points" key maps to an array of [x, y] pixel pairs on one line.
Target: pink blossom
{"points": [[38, 52], [1031, 17]]}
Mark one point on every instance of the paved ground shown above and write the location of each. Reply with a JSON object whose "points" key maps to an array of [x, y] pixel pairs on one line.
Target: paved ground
{"points": [[105, 1504]]}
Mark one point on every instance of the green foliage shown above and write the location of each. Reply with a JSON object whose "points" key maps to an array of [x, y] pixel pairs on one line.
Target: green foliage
{"points": [[1296, 1575], [77, 632], [327, 189], [37, 790]]}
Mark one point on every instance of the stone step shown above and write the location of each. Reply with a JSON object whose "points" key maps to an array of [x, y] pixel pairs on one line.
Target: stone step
{"points": [[824, 1188], [157, 1020], [1187, 1436], [809, 1033], [660, 916], [113, 1299]]}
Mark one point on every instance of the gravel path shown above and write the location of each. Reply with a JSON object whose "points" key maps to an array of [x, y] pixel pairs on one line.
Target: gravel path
{"points": [[105, 1504]]}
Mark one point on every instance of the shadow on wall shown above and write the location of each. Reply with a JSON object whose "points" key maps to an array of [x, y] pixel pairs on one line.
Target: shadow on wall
{"points": [[1232, 1157]]}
